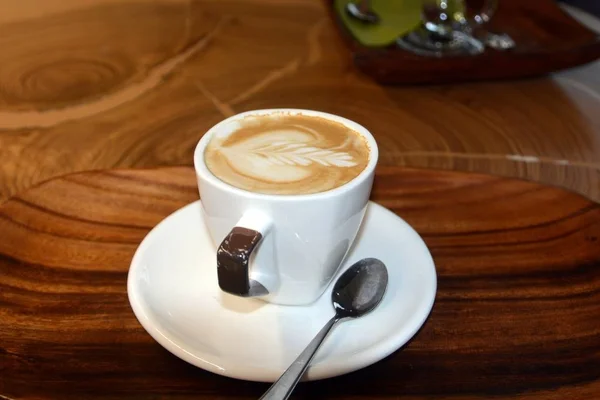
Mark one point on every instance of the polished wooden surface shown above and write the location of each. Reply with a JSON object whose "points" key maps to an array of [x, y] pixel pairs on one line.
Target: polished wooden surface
{"points": [[517, 313], [96, 84]]}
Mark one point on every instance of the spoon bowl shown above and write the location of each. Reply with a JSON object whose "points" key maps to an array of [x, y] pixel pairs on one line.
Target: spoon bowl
{"points": [[360, 288]]}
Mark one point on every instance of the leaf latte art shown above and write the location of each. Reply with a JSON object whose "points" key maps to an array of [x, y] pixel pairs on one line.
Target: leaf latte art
{"points": [[287, 154], [301, 154]]}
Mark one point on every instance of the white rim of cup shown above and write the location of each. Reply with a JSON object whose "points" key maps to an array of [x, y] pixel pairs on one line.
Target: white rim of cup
{"points": [[203, 171]]}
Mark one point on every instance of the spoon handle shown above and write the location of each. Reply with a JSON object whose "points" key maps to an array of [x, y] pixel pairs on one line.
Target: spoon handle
{"points": [[283, 387]]}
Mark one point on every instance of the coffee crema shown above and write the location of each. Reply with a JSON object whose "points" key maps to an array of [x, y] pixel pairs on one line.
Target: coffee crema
{"points": [[286, 154]]}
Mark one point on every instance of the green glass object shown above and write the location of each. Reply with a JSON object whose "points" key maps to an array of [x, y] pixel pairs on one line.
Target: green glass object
{"points": [[397, 17]]}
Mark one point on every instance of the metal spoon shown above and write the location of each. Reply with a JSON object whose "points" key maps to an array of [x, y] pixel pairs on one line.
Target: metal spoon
{"points": [[362, 11], [357, 292]]}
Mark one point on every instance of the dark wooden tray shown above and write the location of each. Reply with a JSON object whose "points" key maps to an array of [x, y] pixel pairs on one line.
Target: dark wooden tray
{"points": [[548, 39], [517, 313]]}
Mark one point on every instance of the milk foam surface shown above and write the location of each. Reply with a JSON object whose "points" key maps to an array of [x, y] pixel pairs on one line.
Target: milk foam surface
{"points": [[286, 154]]}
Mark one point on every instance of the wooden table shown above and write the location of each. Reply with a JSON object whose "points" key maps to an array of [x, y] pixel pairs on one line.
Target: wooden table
{"points": [[101, 84], [98, 84]]}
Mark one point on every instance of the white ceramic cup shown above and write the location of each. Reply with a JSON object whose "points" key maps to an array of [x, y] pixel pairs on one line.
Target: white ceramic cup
{"points": [[285, 249]]}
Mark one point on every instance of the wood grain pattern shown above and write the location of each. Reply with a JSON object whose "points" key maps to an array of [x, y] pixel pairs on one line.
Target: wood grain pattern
{"points": [[517, 314], [99, 84]]}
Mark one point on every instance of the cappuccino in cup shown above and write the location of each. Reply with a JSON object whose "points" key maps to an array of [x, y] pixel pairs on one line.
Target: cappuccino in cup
{"points": [[284, 193], [287, 154]]}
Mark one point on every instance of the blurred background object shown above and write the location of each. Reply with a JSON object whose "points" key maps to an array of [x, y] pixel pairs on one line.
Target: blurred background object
{"points": [[450, 41]]}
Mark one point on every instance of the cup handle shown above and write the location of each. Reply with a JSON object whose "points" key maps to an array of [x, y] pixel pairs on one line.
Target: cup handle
{"points": [[234, 252]]}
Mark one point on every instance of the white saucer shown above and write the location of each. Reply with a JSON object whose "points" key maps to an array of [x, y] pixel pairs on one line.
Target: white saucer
{"points": [[173, 290]]}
